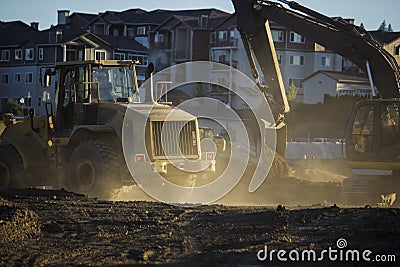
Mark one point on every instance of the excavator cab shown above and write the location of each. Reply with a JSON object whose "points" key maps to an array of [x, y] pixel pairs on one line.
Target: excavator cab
{"points": [[373, 140]]}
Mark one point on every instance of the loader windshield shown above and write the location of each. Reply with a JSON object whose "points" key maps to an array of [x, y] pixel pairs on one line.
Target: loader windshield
{"points": [[114, 83]]}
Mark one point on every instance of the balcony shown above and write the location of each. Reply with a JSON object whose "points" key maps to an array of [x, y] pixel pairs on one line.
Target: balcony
{"points": [[231, 44]]}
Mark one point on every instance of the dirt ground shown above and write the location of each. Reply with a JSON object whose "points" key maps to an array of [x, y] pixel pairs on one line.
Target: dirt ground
{"points": [[56, 227]]}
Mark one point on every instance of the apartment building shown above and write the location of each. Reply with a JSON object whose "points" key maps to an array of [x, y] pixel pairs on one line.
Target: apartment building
{"points": [[27, 53]]}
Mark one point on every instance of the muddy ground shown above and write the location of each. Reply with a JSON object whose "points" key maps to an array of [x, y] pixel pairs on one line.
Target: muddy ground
{"points": [[56, 227]]}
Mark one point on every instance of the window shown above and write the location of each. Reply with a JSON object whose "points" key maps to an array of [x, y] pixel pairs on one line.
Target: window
{"points": [[213, 37], [142, 59], [297, 38], [4, 101], [99, 29], [39, 104], [28, 101], [325, 61], [5, 55], [222, 58], [397, 50], [141, 31], [18, 54], [29, 53], [129, 32], [232, 34], [298, 83], [119, 56], [100, 55], [28, 77], [277, 36], [59, 35], [279, 57], [223, 36], [17, 78], [5, 78], [159, 38], [41, 54], [296, 60]]}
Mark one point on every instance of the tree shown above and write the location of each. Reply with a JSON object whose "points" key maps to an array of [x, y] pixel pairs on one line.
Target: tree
{"points": [[389, 29], [292, 93], [362, 25], [383, 26], [13, 107]]}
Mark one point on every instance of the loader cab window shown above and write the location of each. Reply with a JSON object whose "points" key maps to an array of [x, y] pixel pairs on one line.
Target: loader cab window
{"points": [[363, 129], [389, 118], [113, 83]]}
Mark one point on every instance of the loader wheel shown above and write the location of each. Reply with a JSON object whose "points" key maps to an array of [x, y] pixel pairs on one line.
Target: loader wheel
{"points": [[12, 170], [94, 169]]}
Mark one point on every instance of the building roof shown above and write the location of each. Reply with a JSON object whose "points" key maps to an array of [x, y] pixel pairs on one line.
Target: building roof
{"points": [[86, 16], [385, 37], [158, 16], [122, 43], [340, 77]]}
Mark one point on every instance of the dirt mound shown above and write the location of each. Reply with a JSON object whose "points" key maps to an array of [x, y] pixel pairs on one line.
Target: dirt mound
{"points": [[17, 223]]}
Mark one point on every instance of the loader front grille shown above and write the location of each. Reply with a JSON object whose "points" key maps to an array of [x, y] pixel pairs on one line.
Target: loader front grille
{"points": [[175, 138]]}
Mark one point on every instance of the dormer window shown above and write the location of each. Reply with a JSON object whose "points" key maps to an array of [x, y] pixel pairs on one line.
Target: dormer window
{"points": [[29, 53], [59, 34], [141, 31]]}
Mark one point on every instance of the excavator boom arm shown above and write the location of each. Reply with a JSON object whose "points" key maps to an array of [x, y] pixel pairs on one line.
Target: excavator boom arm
{"points": [[337, 35]]}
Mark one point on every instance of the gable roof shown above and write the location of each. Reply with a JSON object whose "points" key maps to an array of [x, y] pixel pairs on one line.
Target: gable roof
{"points": [[385, 37], [85, 16], [340, 77], [122, 43]]}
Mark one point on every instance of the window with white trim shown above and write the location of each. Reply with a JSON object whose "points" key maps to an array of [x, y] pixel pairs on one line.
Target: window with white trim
{"points": [[297, 38], [296, 60], [100, 55], [28, 77], [18, 54], [17, 77], [140, 31], [326, 61], [5, 55], [29, 53], [5, 78], [277, 36], [223, 36]]}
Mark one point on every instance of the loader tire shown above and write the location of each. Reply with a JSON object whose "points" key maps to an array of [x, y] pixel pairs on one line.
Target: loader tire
{"points": [[94, 170], [12, 172]]}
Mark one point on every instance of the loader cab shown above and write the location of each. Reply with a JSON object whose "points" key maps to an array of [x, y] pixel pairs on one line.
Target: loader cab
{"points": [[82, 86], [373, 132]]}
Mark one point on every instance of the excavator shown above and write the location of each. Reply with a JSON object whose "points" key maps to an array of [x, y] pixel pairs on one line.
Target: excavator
{"points": [[372, 132]]}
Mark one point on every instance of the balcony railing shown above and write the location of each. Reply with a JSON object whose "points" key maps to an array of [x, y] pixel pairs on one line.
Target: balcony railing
{"points": [[231, 43]]}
